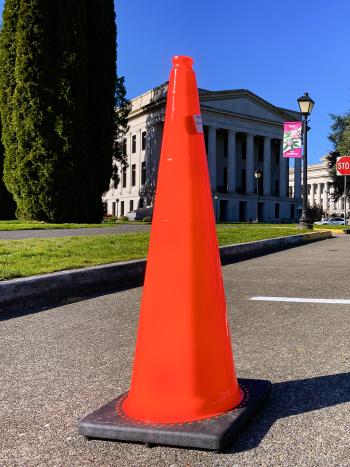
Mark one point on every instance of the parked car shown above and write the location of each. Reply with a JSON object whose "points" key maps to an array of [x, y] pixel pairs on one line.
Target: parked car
{"points": [[322, 222], [337, 221], [331, 221]]}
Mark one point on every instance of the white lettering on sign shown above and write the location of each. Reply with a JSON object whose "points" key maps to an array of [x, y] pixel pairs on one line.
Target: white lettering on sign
{"points": [[198, 122], [343, 165]]}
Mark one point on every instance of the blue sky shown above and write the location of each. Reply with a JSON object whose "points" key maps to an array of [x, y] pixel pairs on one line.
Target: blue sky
{"points": [[277, 49]]}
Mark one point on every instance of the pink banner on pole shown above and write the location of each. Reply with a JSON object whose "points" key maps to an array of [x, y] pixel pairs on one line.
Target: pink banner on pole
{"points": [[292, 139]]}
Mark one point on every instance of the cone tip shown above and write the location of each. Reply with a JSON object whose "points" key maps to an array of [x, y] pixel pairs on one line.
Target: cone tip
{"points": [[182, 60]]}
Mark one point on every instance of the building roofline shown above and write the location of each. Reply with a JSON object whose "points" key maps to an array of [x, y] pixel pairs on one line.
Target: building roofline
{"points": [[293, 115]]}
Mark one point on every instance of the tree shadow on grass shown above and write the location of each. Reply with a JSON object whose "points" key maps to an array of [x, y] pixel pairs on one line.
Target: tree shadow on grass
{"points": [[293, 398]]}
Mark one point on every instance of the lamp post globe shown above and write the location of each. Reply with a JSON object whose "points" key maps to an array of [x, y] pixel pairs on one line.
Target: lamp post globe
{"points": [[306, 105]]}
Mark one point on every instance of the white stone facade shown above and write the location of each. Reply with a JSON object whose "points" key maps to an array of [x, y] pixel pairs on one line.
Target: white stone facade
{"points": [[242, 132], [320, 191]]}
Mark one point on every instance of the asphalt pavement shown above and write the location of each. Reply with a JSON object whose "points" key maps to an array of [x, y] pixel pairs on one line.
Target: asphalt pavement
{"points": [[59, 364], [51, 233]]}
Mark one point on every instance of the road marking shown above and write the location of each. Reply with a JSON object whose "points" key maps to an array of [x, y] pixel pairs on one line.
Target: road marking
{"points": [[302, 300]]}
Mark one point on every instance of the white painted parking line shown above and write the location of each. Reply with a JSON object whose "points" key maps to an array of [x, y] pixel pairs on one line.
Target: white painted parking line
{"points": [[302, 300]]}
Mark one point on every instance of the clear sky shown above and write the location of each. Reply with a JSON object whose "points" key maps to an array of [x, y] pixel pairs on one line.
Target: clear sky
{"points": [[278, 49]]}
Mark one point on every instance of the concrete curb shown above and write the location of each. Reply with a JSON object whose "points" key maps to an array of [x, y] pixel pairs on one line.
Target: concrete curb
{"points": [[67, 285]]}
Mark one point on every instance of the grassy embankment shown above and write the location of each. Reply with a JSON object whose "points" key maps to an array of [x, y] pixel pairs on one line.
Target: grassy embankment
{"points": [[21, 258]]}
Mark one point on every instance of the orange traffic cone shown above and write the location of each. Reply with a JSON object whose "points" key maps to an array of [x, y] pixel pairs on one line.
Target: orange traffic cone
{"points": [[184, 389], [183, 367]]}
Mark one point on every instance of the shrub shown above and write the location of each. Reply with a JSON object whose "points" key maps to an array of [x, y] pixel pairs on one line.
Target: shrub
{"points": [[315, 213], [109, 219], [147, 219]]}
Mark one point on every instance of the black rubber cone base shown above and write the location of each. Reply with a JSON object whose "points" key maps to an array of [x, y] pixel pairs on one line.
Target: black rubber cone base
{"points": [[215, 433]]}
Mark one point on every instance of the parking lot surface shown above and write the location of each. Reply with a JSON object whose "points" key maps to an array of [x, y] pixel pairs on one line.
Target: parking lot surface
{"points": [[62, 363]]}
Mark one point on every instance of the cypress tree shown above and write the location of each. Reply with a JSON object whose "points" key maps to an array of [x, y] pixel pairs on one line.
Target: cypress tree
{"points": [[29, 174], [101, 59], [57, 94], [74, 174], [7, 205], [7, 68], [121, 127]]}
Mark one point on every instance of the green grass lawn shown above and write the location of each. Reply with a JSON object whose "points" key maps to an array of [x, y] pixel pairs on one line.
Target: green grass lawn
{"points": [[331, 227], [21, 258], [31, 225]]}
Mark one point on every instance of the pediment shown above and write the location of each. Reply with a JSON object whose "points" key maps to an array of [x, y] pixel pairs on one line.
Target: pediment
{"points": [[245, 104]]}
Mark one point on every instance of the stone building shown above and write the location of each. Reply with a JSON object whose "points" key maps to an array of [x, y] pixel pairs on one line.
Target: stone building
{"points": [[320, 191], [243, 133]]}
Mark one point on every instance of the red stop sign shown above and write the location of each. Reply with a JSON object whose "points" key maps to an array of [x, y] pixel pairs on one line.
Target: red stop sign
{"points": [[343, 165]]}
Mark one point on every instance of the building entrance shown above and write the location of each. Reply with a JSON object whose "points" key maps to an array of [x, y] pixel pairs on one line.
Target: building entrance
{"points": [[242, 211], [223, 210]]}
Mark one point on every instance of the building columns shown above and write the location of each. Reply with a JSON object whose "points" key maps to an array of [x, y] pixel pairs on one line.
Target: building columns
{"points": [[312, 195], [250, 164], [212, 157], [267, 166], [319, 194], [325, 197], [232, 161], [297, 178], [283, 172]]}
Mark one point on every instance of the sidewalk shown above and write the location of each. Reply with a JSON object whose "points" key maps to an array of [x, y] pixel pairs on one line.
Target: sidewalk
{"points": [[52, 233]]}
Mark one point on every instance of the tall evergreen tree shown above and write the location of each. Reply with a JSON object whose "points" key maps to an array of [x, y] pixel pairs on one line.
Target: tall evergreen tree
{"points": [[101, 60], [29, 169], [340, 139], [74, 172], [121, 127], [57, 106], [7, 204], [7, 86]]}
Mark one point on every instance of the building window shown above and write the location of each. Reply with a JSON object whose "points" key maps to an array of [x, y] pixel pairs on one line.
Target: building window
{"points": [[143, 173], [292, 211], [122, 208], [244, 149], [141, 203], [133, 175], [124, 177], [290, 189], [133, 144], [143, 140], [225, 147], [277, 210], [261, 153], [277, 157], [277, 187], [105, 208], [131, 208], [225, 180], [242, 211], [243, 181]]}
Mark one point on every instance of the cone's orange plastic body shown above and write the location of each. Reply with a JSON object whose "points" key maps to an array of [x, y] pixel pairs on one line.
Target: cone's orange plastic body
{"points": [[183, 366]]}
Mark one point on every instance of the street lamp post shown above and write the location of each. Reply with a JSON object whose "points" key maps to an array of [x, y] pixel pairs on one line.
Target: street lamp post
{"points": [[305, 104], [257, 175], [216, 209], [117, 200]]}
